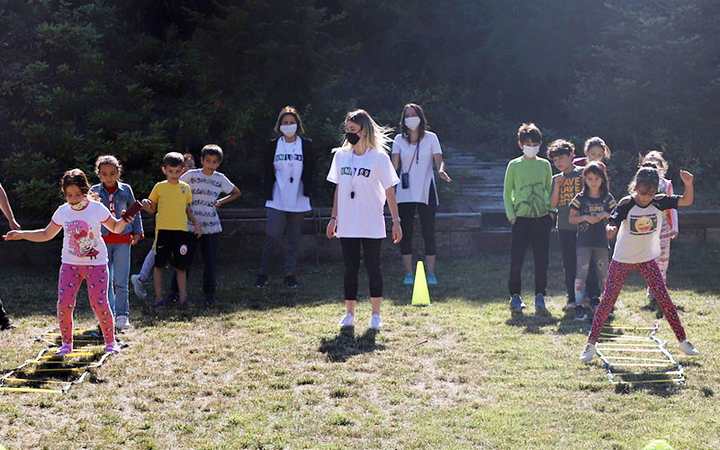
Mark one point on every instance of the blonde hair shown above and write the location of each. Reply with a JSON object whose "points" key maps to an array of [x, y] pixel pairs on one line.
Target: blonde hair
{"points": [[597, 142], [656, 157], [108, 160], [377, 137]]}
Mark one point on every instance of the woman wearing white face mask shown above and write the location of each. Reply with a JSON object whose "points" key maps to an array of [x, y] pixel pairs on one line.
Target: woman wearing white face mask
{"points": [[414, 152], [289, 166]]}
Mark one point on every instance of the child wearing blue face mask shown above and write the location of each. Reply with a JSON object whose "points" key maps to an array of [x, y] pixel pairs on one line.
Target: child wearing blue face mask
{"points": [[526, 194]]}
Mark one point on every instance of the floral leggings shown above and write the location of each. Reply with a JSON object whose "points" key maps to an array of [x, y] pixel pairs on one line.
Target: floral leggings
{"points": [[616, 278], [71, 278]]}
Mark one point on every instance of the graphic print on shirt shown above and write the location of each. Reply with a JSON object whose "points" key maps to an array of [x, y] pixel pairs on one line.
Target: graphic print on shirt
{"points": [[569, 187], [645, 224], [361, 171], [590, 209], [83, 242], [288, 157], [536, 198]]}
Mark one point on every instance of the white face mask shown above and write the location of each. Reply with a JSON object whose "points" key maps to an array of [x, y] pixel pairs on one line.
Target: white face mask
{"points": [[531, 151], [289, 130], [412, 122]]}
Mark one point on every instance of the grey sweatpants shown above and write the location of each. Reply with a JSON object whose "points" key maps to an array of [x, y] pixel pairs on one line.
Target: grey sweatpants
{"points": [[598, 256], [279, 223]]}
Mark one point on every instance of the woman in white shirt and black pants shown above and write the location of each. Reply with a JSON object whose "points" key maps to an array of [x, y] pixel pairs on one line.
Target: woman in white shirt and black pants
{"points": [[365, 179], [289, 165], [413, 152]]}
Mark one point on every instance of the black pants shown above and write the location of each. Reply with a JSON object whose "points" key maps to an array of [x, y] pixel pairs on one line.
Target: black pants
{"points": [[526, 232], [371, 255], [207, 244], [568, 250], [4, 319], [427, 223]]}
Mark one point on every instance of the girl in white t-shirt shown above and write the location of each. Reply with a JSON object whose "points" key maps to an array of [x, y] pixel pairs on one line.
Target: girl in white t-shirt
{"points": [[414, 152], [84, 255], [637, 222], [365, 179]]}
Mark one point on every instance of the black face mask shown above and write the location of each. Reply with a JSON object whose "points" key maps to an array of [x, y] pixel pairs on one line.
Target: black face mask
{"points": [[352, 138]]}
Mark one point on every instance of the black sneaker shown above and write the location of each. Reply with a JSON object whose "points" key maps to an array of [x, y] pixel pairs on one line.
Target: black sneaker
{"points": [[6, 324], [581, 313], [261, 281], [291, 281]]}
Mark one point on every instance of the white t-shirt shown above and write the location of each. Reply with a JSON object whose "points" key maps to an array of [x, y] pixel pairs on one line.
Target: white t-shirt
{"points": [[83, 244], [638, 238], [360, 215], [288, 188], [206, 189], [420, 167]]}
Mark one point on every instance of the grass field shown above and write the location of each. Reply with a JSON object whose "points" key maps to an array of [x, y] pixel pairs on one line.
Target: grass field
{"points": [[268, 369]]}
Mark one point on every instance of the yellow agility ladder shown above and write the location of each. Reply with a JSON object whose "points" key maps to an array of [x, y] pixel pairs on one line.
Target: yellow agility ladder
{"points": [[49, 373]]}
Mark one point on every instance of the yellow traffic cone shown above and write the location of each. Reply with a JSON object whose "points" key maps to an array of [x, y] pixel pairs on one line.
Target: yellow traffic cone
{"points": [[421, 295]]}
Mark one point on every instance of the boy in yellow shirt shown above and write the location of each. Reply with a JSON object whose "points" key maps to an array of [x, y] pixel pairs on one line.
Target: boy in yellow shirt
{"points": [[171, 201]]}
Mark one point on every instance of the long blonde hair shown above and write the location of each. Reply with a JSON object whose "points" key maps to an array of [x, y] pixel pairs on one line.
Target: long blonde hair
{"points": [[378, 137]]}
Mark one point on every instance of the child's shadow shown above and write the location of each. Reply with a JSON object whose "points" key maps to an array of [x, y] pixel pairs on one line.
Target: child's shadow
{"points": [[532, 323], [346, 345]]}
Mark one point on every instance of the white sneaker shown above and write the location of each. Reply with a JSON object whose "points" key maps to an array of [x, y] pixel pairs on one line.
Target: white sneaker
{"points": [[347, 321], [122, 323], [689, 349], [375, 322], [138, 287], [588, 353]]}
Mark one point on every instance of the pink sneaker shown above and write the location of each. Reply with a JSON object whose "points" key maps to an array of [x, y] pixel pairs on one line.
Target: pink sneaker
{"points": [[112, 348], [64, 349]]}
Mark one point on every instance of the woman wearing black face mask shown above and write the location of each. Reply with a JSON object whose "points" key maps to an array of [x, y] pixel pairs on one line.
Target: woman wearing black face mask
{"points": [[365, 180], [413, 152], [289, 180]]}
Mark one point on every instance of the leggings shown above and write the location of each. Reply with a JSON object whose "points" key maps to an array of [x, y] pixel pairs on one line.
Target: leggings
{"points": [[587, 257], [427, 223], [71, 278], [616, 278], [371, 254]]}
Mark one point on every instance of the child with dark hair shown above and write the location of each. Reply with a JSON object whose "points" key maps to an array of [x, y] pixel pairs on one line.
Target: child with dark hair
{"points": [[84, 255], [637, 221], [590, 210], [5, 323], [171, 200], [566, 185], [526, 194], [207, 184]]}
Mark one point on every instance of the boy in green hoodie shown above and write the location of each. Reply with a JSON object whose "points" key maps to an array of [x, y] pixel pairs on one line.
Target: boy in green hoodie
{"points": [[526, 194]]}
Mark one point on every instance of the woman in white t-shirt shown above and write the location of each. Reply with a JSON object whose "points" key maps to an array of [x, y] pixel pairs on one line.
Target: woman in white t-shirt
{"points": [[365, 179], [84, 256], [414, 152], [637, 221], [289, 165]]}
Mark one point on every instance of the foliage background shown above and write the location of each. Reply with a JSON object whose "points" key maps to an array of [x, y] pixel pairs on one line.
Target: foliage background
{"points": [[139, 78]]}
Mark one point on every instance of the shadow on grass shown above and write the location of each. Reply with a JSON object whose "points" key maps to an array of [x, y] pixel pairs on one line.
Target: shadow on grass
{"points": [[345, 344], [533, 324]]}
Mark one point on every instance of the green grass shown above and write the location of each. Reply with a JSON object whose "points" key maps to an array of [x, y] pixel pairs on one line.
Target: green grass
{"points": [[268, 369]]}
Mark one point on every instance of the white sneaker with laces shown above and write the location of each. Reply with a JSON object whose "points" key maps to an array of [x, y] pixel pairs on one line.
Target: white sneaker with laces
{"points": [[375, 322], [138, 287], [689, 349], [122, 323], [588, 353], [347, 321]]}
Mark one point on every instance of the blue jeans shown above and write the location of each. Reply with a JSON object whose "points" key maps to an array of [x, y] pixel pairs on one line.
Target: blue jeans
{"points": [[118, 274]]}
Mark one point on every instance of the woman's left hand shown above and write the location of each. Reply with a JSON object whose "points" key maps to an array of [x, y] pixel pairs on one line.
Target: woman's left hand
{"points": [[396, 232], [444, 176]]}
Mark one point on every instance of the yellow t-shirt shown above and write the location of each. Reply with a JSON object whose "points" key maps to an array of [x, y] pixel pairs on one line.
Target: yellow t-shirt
{"points": [[172, 200]]}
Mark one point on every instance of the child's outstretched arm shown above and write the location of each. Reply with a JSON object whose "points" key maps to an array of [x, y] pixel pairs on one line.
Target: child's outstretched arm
{"points": [[117, 226], [149, 206], [688, 196], [41, 235]]}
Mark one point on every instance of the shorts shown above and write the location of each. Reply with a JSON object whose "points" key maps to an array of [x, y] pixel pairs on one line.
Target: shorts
{"points": [[173, 247]]}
